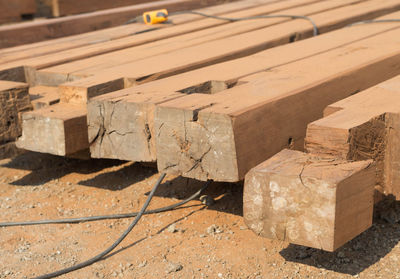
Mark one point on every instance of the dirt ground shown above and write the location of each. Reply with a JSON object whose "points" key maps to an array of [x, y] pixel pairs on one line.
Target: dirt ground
{"points": [[195, 241]]}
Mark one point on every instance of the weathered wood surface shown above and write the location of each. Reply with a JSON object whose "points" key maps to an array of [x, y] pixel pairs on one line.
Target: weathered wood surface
{"points": [[43, 96], [152, 43], [30, 32], [222, 136], [55, 129], [363, 126], [164, 37], [14, 99], [309, 200], [164, 65], [133, 138], [80, 95], [14, 10]]}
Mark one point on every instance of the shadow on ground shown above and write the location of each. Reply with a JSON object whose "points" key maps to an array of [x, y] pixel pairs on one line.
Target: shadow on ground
{"points": [[120, 178], [228, 197], [46, 167], [360, 253]]}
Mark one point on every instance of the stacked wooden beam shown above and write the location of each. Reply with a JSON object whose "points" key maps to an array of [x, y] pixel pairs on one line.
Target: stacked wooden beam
{"points": [[111, 79], [211, 99], [35, 31]]}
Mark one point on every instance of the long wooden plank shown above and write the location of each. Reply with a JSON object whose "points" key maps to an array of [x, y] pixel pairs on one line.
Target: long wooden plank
{"points": [[130, 112], [101, 36], [364, 126], [89, 66], [159, 46], [309, 200], [222, 136], [165, 65], [24, 33], [224, 72]]}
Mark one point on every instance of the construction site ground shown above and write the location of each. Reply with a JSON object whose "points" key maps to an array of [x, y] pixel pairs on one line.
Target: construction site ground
{"points": [[195, 241]]}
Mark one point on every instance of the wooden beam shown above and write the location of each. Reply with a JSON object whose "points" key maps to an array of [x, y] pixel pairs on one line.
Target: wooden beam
{"points": [[222, 136], [44, 130], [137, 104], [14, 99], [25, 33], [109, 34], [309, 200], [364, 126], [179, 61], [153, 43]]}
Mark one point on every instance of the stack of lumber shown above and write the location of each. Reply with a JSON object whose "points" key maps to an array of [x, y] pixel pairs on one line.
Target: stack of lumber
{"points": [[39, 30], [16, 10], [211, 99]]}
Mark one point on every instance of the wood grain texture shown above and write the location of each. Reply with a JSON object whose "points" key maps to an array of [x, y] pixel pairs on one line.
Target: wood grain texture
{"points": [[44, 130], [309, 200], [364, 126], [25, 33], [164, 65], [224, 135], [137, 103], [14, 99]]}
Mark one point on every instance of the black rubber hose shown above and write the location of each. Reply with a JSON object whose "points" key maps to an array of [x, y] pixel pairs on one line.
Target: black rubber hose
{"points": [[115, 244]]}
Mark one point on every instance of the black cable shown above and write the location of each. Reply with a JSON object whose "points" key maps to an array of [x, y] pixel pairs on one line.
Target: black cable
{"points": [[374, 21], [112, 247], [106, 217], [235, 19]]}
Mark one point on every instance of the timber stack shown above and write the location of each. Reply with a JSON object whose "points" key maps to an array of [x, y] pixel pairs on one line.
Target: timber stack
{"points": [[310, 123]]}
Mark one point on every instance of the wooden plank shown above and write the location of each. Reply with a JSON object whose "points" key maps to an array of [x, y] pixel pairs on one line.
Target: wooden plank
{"points": [[108, 34], [173, 63], [222, 136], [14, 10], [309, 200], [130, 112], [364, 126], [98, 63], [170, 42], [76, 24], [14, 99]]}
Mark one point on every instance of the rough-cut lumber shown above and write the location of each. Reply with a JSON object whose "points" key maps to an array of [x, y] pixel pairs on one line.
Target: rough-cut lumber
{"points": [[222, 136], [89, 66], [309, 200], [364, 126], [43, 96], [179, 61], [14, 98], [47, 130], [170, 42], [15, 10], [120, 83], [24, 33], [94, 37], [156, 42], [133, 136]]}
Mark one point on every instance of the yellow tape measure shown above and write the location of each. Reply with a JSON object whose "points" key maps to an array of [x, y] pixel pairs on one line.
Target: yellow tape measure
{"points": [[154, 17]]}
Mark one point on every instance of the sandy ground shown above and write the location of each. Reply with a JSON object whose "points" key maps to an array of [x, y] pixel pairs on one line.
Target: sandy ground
{"points": [[195, 241]]}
